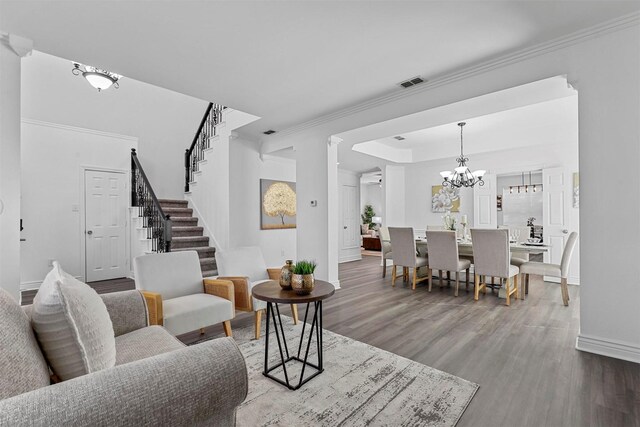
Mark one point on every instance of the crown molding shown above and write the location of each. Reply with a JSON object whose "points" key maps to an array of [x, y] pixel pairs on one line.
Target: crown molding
{"points": [[78, 129], [21, 46], [617, 24]]}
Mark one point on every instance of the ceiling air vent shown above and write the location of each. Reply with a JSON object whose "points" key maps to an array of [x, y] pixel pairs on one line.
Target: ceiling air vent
{"points": [[399, 138], [412, 82], [269, 132]]}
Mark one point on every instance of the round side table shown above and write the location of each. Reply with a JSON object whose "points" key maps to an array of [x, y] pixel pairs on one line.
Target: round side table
{"points": [[273, 294]]}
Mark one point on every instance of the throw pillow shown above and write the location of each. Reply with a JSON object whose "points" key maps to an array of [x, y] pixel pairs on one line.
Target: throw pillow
{"points": [[72, 326], [22, 365]]}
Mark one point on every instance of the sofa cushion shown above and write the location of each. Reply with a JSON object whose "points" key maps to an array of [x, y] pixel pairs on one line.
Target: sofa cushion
{"points": [[72, 326], [192, 312], [143, 343], [22, 365]]}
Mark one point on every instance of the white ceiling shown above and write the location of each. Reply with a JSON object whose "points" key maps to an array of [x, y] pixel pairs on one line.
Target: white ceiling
{"points": [[292, 61]]}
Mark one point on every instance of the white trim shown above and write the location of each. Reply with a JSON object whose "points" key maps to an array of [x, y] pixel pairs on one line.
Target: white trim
{"points": [[207, 230], [79, 129], [336, 284], [35, 284], [609, 348], [349, 258], [616, 24], [82, 212]]}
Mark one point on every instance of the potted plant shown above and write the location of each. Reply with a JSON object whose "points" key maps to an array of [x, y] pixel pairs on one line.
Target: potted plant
{"points": [[302, 280], [367, 219]]}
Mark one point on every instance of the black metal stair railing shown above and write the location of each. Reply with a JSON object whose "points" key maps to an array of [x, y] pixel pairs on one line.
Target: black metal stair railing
{"points": [[157, 224], [207, 129]]}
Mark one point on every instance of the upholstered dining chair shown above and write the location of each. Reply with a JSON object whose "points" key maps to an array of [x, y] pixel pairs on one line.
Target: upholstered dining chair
{"points": [[177, 296], [443, 255], [385, 244], [554, 270], [404, 254], [492, 258], [245, 267]]}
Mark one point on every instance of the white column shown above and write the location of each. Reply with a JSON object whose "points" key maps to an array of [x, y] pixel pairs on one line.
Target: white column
{"points": [[393, 186], [12, 48], [317, 204]]}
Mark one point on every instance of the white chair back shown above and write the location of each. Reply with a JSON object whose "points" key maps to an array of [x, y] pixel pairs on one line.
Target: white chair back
{"points": [[243, 261], [171, 274], [404, 246], [385, 240], [568, 253], [491, 256], [443, 250]]}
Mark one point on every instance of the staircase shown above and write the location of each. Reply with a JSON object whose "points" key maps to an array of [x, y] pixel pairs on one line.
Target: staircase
{"points": [[187, 236]]}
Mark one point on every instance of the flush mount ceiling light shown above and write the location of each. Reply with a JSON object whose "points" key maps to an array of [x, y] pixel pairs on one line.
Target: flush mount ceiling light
{"points": [[99, 79], [462, 175]]}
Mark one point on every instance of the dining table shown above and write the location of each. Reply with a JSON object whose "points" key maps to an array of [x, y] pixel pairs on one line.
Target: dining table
{"points": [[530, 248]]}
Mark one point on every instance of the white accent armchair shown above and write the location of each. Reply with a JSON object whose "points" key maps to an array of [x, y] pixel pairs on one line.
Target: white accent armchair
{"points": [[178, 297], [245, 267]]}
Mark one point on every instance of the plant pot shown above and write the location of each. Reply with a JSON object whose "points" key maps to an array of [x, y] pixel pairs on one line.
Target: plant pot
{"points": [[302, 284], [285, 275]]}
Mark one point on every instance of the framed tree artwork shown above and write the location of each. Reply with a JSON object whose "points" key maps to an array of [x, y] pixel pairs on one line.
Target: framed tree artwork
{"points": [[277, 204]]}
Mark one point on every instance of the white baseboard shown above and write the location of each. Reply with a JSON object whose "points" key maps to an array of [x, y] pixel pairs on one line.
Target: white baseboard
{"points": [[610, 348], [30, 286], [336, 284], [349, 258]]}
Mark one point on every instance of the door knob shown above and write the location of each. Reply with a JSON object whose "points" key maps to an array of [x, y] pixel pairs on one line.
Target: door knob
{"points": [[565, 231], [345, 227], [89, 232]]}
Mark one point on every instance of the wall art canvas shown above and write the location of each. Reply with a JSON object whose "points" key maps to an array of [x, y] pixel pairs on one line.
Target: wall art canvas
{"points": [[445, 199], [576, 189], [277, 204]]}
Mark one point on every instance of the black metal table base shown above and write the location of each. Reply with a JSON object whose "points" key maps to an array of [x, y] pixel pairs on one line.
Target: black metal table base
{"points": [[316, 326]]}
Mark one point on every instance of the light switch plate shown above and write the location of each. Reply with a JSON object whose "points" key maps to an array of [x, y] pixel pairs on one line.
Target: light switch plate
{"points": [[314, 203]]}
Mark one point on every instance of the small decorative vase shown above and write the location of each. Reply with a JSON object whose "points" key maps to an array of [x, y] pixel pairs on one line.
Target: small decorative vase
{"points": [[302, 284], [285, 275]]}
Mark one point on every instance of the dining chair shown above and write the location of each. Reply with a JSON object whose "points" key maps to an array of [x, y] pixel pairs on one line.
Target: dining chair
{"points": [[385, 244], [443, 255], [492, 257], [404, 254], [554, 270]]}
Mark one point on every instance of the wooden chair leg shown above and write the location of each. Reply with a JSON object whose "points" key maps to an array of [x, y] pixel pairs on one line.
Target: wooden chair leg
{"points": [[227, 328], [467, 279], [415, 277], [508, 287], [258, 319], [476, 287], [448, 279], [393, 275], [384, 266], [565, 291], [440, 278], [294, 313], [430, 273], [526, 284], [484, 280], [457, 282], [517, 284]]}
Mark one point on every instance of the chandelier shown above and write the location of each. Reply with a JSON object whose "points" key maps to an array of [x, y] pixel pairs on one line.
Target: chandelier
{"points": [[99, 79], [462, 175]]}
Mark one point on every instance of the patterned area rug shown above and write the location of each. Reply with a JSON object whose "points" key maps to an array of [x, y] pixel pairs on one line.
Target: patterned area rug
{"points": [[361, 385]]}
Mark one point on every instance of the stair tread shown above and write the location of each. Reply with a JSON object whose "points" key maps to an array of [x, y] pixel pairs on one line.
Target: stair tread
{"points": [[190, 238], [198, 249], [185, 219], [177, 209], [208, 273], [174, 201], [187, 228], [205, 260]]}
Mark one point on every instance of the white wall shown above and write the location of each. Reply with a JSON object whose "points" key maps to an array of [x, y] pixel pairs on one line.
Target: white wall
{"points": [[163, 121], [52, 191], [352, 179], [246, 170], [394, 184]]}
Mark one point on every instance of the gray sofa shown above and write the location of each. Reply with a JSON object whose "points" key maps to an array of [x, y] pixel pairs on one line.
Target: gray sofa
{"points": [[156, 381]]}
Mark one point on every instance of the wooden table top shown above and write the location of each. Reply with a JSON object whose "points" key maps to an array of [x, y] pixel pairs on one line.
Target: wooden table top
{"points": [[272, 292]]}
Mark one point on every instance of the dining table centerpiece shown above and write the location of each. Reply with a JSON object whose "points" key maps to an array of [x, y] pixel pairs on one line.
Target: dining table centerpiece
{"points": [[449, 222]]}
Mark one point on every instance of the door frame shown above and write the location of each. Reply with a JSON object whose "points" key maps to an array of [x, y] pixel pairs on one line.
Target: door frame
{"points": [[83, 222]]}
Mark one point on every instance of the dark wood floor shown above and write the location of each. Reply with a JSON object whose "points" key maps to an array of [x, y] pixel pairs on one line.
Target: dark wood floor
{"points": [[102, 287], [523, 356]]}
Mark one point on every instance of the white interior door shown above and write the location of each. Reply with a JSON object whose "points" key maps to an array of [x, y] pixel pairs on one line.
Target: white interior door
{"points": [[105, 225], [350, 227], [554, 213], [485, 211]]}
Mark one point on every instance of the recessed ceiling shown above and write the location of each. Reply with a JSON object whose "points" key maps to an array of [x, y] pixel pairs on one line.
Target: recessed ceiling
{"points": [[290, 62]]}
